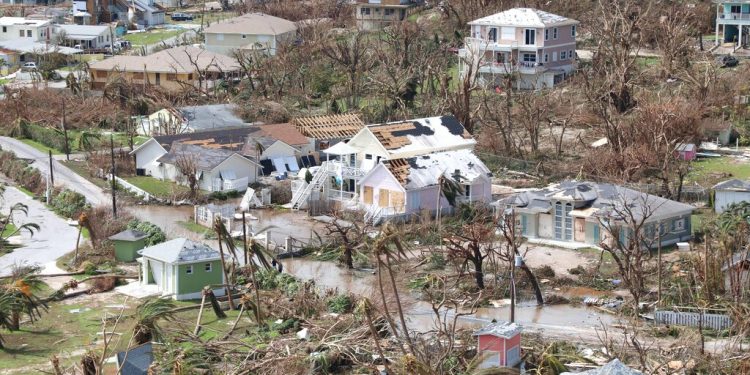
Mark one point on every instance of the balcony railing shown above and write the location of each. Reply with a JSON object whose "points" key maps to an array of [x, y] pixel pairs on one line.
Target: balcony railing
{"points": [[492, 45], [523, 67], [239, 184], [735, 16]]}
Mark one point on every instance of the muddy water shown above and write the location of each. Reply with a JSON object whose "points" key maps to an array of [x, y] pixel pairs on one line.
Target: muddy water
{"points": [[420, 315]]}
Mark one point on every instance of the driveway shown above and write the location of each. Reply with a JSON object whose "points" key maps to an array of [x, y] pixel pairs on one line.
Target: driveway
{"points": [[63, 176], [54, 239]]}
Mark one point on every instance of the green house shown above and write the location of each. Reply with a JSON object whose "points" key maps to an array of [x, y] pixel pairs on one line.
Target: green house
{"points": [[127, 243], [181, 268]]}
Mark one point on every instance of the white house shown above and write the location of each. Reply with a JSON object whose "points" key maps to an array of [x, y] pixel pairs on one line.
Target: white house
{"points": [[218, 169], [31, 30], [181, 268], [404, 187], [729, 192], [249, 32], [86, 36], [535, 46]]}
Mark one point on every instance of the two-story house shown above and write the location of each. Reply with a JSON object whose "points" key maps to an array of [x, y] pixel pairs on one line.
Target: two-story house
{"points": [[249, 32], [732, 21], [375, 14], [20, 28], [537, 47]]}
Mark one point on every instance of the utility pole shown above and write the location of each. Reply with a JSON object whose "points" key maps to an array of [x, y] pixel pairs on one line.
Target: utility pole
{"points": [[51, 171], [65, 133], [658, 299], [114, 185]]}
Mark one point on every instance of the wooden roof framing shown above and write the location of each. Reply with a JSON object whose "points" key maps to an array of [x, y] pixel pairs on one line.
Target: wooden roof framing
{"points": [[399, 168], [329, 126], [385, 134]]}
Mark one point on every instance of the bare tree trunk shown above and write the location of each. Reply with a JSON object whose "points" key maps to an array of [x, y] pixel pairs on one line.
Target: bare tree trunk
{"points": [[215, 304], [398, 305], [388, 317]]}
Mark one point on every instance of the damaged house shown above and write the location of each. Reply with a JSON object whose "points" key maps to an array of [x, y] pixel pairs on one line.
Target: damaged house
{"points": [[400, 164], [588, 214]]}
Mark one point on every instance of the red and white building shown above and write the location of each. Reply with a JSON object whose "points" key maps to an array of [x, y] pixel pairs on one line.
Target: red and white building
{"points": [[536, 46], [499, 345]]}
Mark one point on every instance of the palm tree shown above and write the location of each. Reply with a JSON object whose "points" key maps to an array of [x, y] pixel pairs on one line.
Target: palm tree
{"points": [[31, 228], [147, 316], [17, 297], [83, 142]]}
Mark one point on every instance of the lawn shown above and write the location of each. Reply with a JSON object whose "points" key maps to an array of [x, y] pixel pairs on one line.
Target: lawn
{"points": [[156, 187], [210, 18], [710, 171], [193, 227], [647, 61], [151, 37], [40, 146], [79, 167]]}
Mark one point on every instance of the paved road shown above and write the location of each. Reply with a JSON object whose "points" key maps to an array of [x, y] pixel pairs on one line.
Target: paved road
{"points": [[55, 239], [63, 175]]}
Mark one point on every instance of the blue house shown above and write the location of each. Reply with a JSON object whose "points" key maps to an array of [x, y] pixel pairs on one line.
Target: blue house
{"points": [[589, 214], [732, 21]]}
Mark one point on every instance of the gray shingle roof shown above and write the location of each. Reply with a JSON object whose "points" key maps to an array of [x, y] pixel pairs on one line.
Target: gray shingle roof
{"points": [[615, 367], [129, 235], [206, 158], [733, 185], [609, 200], [180, 250], [137, 360], [503, 329], [212, 116]]}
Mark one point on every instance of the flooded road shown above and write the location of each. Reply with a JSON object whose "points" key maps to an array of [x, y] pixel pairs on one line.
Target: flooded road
{"points": [[565, 321]]}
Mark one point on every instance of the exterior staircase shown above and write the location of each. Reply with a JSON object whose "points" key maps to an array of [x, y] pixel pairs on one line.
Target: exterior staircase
{"points": [[300, 197]]}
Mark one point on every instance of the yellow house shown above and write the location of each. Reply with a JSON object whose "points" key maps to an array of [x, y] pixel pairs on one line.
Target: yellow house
{"points": [[172, 68], [251, 31], [376, 14]]}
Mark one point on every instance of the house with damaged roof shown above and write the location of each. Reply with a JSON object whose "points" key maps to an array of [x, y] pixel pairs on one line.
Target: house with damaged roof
{"points": [[589, 214], [392, 170]]}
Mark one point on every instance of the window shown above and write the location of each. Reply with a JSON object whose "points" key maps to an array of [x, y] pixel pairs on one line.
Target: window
{"points": [[219, 36], [390, 12], [736, 9], [365, 11], [568, 222], [467, 191], [28, 33], [368, 156], [5, 29], [558, 220], [570, 54], [554, 33], [492, 35], [546, 57], [500, 58], [207, 267], [530, 37], [244, 36], [529, 57], [573, 31], [546, 34], [20, 33], [563, 55], [554, 56], [189, 269], [678, 225], [171, 77]]}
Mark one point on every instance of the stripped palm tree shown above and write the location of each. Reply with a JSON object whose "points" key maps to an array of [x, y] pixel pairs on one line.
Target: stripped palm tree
{"points": [[5, 224], [19, 297], [85, 138], [147, 316]]}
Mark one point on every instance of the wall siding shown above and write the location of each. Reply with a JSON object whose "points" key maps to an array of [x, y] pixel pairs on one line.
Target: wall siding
{"points": [[724, 198], [199, 278]]}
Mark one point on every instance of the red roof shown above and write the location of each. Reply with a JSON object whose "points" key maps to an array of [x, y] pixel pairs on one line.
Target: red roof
{"points": [[285, 132]]}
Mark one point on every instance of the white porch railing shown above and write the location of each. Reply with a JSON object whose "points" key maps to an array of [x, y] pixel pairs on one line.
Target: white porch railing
{"points": [[239, 184], [735, 16]]}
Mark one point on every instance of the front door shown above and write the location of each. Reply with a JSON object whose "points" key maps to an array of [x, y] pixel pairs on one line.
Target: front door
{"points": [[580, 229], [383, 199], [158, 78]]}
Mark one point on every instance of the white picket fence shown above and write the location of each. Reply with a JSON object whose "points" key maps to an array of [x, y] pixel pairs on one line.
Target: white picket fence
{"points": [[693, 319]]}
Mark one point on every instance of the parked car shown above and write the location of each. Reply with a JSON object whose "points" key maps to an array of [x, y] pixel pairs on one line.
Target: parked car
{"points": [[28, 67], [182, 17]]}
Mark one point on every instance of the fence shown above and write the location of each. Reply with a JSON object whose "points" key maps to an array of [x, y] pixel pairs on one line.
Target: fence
{"points": [[693, 319]]}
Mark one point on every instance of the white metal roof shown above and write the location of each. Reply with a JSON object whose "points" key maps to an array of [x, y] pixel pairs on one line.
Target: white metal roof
{"points": [[10, 21], [523, 17], [83, 32], [180, 250], [341, 148]]}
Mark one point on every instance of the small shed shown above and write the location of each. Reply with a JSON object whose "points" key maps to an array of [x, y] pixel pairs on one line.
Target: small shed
{"points": [[127, 243], [686, 151], [499, 345], [727, 193], [181, 268]]}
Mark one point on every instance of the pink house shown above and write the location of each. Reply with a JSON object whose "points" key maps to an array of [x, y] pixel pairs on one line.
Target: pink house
{"points": [[536, 46], [686, 151], [499, 345]]}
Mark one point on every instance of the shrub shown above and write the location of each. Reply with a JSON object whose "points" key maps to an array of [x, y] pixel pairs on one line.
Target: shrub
{"points": [[88, 268], [281, 192], [545, 271], [19, 171], [578, 270], [340, 304], [218, 195], [49, 137], [155, 234], [68, 203]]}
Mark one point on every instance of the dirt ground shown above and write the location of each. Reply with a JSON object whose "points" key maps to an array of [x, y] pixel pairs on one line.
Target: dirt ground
{"points": [[561, 260]]}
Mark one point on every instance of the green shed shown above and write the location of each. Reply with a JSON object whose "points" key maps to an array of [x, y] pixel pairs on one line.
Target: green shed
{"points": [[181, 268], [127, 243]]}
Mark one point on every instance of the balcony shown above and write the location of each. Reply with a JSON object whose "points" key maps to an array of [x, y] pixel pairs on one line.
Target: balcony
{"points": [[505, 68], [338, 168], [734, 16]]}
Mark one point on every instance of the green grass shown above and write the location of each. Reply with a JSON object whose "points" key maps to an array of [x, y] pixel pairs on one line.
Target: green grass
{"points": [[708, 172], [156, 187], [40, 146], [79, 167], [25, 191], [210, 18], [647, 61], [151, 37], [9, 229], [193, 227]]}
